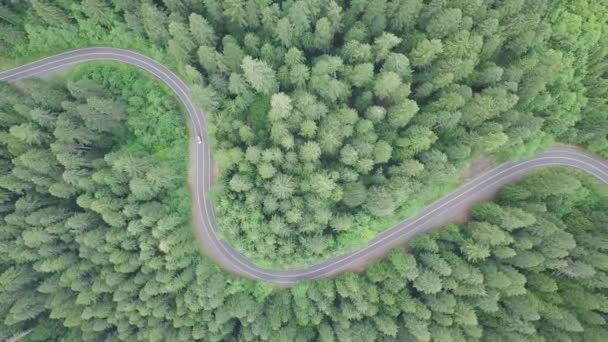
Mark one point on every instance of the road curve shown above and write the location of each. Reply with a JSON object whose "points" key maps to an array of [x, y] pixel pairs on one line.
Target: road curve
{"points": [[439, 212]]}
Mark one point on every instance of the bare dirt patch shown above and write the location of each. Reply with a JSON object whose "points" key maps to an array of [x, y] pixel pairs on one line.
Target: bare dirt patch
{"points": [[462, 217], [215, 173], [476, 168]]}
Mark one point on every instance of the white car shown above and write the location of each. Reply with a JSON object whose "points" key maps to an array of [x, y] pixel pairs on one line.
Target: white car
{"points": [[199, 140]]}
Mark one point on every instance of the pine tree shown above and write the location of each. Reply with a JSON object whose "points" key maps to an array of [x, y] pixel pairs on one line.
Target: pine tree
{"points": [[259, 75]]}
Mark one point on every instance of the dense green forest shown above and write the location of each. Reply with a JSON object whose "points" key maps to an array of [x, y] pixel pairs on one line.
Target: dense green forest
{"points": [[333, 119], [92, 177], [329, 120], [92, 245]]}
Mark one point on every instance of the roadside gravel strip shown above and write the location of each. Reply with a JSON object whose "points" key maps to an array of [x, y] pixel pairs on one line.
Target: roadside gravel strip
{"points": [[435, 214]]}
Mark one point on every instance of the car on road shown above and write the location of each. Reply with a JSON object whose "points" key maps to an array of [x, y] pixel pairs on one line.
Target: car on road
{"points": [[199, 140]]}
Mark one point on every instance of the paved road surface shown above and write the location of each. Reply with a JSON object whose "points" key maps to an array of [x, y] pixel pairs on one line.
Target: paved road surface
{"points": [[437, 213]]}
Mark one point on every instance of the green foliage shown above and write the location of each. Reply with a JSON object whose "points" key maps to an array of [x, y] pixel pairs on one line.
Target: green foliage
{"points": [[106, 258], [329, 119], [375, 85]]}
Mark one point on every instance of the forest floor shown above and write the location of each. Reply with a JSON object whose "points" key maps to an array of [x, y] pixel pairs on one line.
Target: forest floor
{"points": [[477, 167], [5, 63], [216, 172]]}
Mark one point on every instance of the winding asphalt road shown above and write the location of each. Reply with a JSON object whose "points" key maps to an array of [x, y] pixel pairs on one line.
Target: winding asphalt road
{"points": [[200, 177]]}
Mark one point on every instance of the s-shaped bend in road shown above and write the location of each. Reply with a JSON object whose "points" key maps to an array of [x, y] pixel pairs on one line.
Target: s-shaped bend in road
{"points": [[437, 213]]}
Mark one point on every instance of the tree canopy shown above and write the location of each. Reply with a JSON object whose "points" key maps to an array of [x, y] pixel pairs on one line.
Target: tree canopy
{"points": [[357, 92], [94, 242], [328, 120]]}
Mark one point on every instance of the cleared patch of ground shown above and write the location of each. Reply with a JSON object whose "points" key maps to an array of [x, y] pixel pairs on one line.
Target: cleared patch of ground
{"points": [[476, 168], [216, 172]]}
